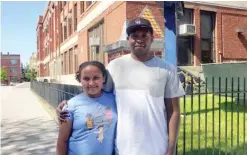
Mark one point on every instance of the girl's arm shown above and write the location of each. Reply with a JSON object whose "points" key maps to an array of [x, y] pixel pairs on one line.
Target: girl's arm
{"points": [[63, 137]]}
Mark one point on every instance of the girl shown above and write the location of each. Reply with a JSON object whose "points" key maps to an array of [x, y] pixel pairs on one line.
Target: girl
{"points": [[90, 126]]}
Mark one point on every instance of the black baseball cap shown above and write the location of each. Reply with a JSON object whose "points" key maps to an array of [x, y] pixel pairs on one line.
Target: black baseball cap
{"points": [[138, 23]]}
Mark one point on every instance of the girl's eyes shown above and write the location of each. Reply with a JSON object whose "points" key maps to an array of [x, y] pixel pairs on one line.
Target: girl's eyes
{"points": [[94, 78]]}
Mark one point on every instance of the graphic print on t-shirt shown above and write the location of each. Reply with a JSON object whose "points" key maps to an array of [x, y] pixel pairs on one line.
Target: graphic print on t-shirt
{"points": [[90, 123], [101, 133], [102, 122]]}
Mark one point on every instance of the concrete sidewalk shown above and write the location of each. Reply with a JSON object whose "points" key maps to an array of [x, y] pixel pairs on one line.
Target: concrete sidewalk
{"points": [[27, 128]]}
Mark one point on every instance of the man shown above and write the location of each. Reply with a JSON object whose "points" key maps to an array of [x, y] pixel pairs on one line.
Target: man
{"points": [[147, 88]]}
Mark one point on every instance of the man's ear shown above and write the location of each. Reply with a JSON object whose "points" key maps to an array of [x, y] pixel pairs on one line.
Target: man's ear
{"points": [[127, 38], [152, 38]]}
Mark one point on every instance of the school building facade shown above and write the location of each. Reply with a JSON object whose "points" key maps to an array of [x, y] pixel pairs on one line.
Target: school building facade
{"points": [[69, 33]]}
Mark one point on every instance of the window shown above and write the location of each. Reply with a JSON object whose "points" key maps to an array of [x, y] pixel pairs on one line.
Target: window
{"points": [[46, 52], [82, 6], [207, 20], [70, 22], [185, 43], [75, 17], [13, 79], [13, 61], [61, 32], [48, 49], [62, 63], [76, 58], [61, 6], [97, 33], [71, 61], [46, 29], [66, 62], [65, 28], [89, 3], [47, 69], [13, 70]]}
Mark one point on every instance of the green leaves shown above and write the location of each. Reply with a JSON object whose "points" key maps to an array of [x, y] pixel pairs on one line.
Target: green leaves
{"points": [[3, 74], [31, 75]]}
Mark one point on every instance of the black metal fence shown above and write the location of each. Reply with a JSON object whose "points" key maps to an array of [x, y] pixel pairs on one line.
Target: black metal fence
{"points": [[213, 117], [213, 114], [54, 93]]}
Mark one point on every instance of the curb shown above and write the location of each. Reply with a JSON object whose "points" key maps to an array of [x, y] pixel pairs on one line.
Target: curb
{"points": [[49, 109]]}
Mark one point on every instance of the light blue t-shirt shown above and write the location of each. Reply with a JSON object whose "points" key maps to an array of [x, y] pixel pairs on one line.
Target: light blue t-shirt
{"points": [[94, 124]]}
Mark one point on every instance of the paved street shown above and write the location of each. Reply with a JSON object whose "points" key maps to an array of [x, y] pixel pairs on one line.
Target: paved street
{"points": [[26, 128]]}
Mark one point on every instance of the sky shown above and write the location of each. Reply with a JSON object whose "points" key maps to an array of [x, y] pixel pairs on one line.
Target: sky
{"points": [[18, 27]]}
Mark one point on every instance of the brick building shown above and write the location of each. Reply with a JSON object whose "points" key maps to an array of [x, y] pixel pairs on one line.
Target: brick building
{"points": [[11, 62], [221, 33], [69, 33]]}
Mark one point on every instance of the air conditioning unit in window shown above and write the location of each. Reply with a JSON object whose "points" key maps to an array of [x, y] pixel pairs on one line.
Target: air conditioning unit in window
{"points": [[94, 41], [187, 30]]}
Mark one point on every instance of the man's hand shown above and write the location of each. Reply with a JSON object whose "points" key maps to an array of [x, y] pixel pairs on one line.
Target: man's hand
{"points": [[62, 114]]}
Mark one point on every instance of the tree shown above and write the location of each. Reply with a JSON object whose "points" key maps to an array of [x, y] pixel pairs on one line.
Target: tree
{"points": [[31, 75], [3, 74]]}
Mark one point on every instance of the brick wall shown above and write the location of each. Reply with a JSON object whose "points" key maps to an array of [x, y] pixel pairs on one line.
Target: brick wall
{"points": [[228, 44], [5, 62], [114, 23], [135, 8], [83, 47], [41, 70], [197, 37], [234, 44], [40, 52]]}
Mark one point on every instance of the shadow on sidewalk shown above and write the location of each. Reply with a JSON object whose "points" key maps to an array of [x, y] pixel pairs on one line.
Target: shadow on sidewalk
{"points": [[29, 137]]}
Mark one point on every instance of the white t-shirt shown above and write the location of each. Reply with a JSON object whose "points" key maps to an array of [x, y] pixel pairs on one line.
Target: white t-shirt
{"points": [[140, 89]]}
